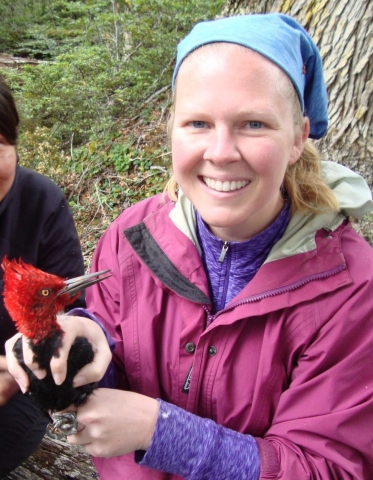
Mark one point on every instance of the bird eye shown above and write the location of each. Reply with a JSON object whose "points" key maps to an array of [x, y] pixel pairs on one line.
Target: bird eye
{"points": [[45, 292]]}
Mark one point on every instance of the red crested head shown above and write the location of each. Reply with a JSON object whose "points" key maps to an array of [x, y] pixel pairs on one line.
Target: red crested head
{"points": [[33, 298]]}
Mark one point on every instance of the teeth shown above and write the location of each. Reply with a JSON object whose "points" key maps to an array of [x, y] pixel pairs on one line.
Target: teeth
{"points": [[224, 186]]}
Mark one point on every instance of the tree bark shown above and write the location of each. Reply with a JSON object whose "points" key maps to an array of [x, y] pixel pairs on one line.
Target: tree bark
{"points": [[343, 31], [57, 460]]}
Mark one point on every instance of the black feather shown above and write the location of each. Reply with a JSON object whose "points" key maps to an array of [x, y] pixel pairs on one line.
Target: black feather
{"points": [[45, 392]]}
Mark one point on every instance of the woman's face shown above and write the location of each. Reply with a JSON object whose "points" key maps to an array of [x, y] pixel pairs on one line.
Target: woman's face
{"points": [[233, 137], [8, 162]]}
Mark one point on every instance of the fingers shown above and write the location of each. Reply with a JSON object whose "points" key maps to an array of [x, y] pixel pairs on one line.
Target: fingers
{"points": [[94, 371], [14, 367], [81, 327], [115, 422], [72, 327], [28, 358]]}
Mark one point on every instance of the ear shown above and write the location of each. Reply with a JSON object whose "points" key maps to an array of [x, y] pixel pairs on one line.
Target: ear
{"points": [[300, 139]]}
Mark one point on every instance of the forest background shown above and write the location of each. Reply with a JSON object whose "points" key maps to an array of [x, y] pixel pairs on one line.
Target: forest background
{"points": [[92, 84]]}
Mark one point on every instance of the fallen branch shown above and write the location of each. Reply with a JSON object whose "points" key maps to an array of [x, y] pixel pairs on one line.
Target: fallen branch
{"points": [[57, 460]]}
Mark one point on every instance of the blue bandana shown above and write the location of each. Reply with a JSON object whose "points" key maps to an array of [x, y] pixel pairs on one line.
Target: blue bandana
{"points": [[282, 40]]}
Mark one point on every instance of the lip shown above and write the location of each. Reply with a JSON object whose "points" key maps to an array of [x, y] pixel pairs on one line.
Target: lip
{"points": [[224, 185]]}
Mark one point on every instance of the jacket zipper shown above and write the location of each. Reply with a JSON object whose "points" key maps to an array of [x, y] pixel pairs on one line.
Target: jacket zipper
{"points": [[226, 254], [223, 252], [276, 291], [257, 298]]}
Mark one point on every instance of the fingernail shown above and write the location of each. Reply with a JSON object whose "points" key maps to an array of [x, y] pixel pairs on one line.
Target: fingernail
{"points": [[78, 381], [40, 374], [22, 386], [57, 379]]}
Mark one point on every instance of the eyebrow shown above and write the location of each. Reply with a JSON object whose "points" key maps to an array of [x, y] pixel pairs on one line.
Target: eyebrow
{"points": [[265, 116], [253, 113]]}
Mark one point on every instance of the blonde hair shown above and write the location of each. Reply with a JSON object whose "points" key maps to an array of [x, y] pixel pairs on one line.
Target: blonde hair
{"points": [[302, 182], [305, 186]]}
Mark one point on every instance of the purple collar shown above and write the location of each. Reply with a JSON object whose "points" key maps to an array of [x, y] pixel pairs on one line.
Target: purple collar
{"points": [[231, 265]]}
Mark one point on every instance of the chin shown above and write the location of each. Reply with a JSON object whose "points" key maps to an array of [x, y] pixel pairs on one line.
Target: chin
{"points": [[222, 221]]}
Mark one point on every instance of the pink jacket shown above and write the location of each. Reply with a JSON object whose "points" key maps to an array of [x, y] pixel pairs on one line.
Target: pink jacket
{"points": [[288, 361]]}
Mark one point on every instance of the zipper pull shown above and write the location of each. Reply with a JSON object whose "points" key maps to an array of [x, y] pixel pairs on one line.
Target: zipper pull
{"points": [[223, 252]]}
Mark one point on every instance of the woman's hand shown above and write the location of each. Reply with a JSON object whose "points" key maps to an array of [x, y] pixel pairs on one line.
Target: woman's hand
{"points": [[115, 422], [73, 327], [8, 386]]}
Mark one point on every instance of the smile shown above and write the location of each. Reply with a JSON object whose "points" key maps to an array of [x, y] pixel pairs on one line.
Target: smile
{"points": [[224, 186]]}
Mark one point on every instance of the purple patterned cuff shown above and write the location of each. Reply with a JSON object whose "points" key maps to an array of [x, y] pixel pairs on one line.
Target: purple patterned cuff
{"points": [[198, 449]]}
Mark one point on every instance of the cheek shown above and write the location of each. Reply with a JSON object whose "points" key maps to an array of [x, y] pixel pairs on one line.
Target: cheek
{"points": [[184, 156], [270, 160], [8, 161], [177, 158]]}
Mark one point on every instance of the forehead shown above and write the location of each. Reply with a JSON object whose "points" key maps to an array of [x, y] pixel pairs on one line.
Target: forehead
{"points": [[217, 66], [230, 58]]}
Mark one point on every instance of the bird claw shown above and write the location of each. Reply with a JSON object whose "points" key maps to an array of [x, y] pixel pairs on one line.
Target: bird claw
{"points": [[63, 424]]}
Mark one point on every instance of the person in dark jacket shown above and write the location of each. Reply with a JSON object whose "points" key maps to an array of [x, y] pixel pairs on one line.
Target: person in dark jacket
{"points": [[37, 226]]}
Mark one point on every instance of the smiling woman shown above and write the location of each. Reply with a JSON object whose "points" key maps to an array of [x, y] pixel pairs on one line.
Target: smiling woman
{"points": [[241, 133], [240, 304]]}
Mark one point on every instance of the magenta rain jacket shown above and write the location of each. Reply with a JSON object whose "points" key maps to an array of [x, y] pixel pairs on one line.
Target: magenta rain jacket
{"points": [[289, 360]]}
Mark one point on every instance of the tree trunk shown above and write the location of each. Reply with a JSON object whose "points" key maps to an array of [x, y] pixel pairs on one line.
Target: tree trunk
{"points": [[343, 31], [57, 460]]}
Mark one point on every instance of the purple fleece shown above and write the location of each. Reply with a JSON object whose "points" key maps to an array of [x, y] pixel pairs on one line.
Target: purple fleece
{"points": [[242, 259], [198, 449]]}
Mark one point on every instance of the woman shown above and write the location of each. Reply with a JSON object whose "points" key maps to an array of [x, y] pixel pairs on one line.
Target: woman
{"points": [[36, 225], [241, 304]]}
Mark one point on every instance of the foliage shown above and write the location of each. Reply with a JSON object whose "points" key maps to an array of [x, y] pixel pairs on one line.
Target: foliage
{"points": [[94, 109], [106, 176], [109, 59]]}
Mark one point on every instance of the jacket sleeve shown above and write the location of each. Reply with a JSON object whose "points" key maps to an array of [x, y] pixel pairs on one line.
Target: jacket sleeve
{"points": [[197, 448], [104, 299], [322, 427]]}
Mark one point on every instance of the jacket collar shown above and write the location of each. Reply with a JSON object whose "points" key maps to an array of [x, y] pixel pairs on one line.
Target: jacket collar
{"points": [[353, 194], [310, 250]]}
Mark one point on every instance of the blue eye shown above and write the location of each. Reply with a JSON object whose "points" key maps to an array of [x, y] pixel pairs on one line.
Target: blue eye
{"points": [[255, 125], [198, 124]]}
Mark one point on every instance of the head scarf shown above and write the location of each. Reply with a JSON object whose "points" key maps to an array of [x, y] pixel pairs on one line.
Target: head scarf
{"points": [[282, 40]]}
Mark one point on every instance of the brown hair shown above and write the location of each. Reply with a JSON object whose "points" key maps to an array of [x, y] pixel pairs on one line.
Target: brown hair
{"points": [[9, 118]]}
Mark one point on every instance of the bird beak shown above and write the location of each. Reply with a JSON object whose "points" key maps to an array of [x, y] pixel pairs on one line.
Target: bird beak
{"points": [[75, 285]]}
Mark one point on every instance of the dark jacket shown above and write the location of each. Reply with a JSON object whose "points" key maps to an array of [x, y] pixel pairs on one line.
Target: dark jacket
{"points": [[36, 225]]}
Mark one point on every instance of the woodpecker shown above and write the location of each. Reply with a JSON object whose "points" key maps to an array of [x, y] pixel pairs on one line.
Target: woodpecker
{"points": [[33, 299]]}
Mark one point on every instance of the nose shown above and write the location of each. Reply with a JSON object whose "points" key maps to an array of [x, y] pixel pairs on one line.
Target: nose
{"points": [[222, 146]]}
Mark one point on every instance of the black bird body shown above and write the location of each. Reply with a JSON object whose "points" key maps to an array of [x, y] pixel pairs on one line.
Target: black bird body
{"points": [[48, 395]]}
